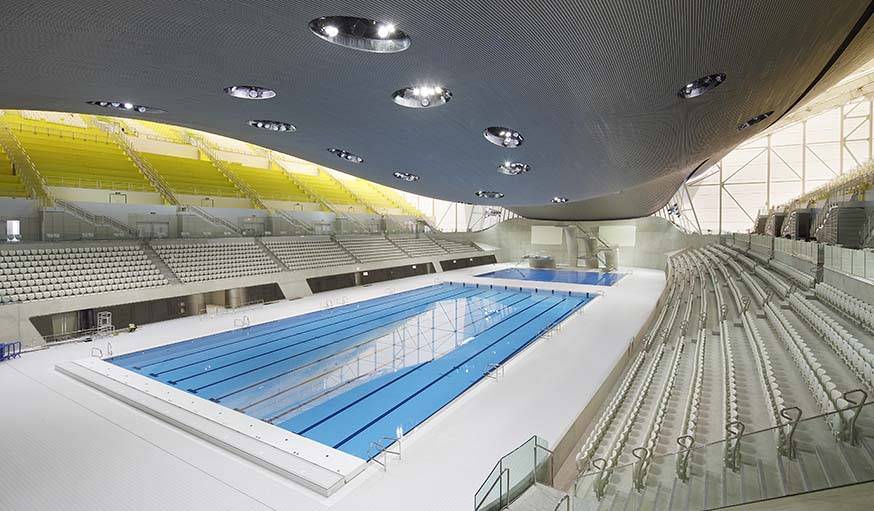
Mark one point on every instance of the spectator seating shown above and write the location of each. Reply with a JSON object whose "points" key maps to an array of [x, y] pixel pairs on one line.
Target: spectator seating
{"points": [[197, 262], [43, 273], [192, 177], [417, 247], [307, 252], [10, 183], [371, 248]]}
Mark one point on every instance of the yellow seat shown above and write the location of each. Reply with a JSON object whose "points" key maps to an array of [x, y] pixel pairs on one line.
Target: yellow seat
{"points": [[270, 183], [192, 177]]}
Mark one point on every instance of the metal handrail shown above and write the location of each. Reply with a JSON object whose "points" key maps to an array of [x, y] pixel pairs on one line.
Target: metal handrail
{"points": [[852, 435], [789, 448], [564, 500], [500, 491]]}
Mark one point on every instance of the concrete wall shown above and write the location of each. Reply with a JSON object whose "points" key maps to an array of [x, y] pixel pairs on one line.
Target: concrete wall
{"points": [[15, 321], [654, 239], [105, 196]]}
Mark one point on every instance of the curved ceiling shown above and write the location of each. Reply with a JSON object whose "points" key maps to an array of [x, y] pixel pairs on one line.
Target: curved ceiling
{"points": [[591, 85]]}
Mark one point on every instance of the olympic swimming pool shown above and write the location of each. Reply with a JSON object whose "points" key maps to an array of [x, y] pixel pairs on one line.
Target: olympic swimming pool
{"points": [[349, 376], [595, 278]]}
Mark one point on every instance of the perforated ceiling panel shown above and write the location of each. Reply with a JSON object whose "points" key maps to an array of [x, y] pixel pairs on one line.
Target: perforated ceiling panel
{"points": [[591, 84]]}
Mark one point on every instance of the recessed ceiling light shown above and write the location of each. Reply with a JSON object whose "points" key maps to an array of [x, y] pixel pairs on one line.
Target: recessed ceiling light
{"points": [[559, 200], [250, 92], [504, 137], [345, 155], [360, 34], [485, 194], [406, 176], [126, 106], [755, 120], [698, 87], [422, 97], [271, 125], [513, 168]]}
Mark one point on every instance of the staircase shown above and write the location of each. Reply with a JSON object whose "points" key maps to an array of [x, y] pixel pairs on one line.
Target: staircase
{"points": [[27, 171], [241, 185], [345, 188], [277, 261], [316, 198], [154, 178], [123, 230], [303, 227], [159, 263], [228, 228]]}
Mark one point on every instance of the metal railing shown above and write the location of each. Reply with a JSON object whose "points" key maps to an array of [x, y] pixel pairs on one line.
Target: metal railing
{"points": [[30, 176], [513, 474], [219, 164], [759, 465]]}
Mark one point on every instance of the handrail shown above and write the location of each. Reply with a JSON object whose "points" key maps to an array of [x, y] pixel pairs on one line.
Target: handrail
{"points": [[719, 442], [683, 456], [500, 479], [385, 449], [852, 434], [155, 178], [789, 448], [219, 164], [30, 176], [564, 500]]}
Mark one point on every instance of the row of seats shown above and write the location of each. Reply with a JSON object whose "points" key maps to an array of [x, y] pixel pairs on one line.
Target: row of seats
{"points": [[779, 285], [10, 181], [860, 311], [587, 452], [824, 390], [800, 278], [322, 185], [80, 157], [307, 253], [42, 273], [455, 247], [651, 437], [615, 451], [192, 176], [857, 357], [371, 248], [269, 183], [197, 262], [418, 247]]}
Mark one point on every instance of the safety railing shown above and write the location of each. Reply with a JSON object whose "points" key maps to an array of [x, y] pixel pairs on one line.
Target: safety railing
{"points": [[745, 467], [525, 466], [10, 350]]}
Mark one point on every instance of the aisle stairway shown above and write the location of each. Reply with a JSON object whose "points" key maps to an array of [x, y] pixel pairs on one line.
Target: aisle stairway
{"points": [[722, 403], [10, 182]]}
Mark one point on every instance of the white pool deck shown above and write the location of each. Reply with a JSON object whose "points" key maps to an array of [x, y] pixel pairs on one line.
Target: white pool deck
{"points": [[66, 446]]}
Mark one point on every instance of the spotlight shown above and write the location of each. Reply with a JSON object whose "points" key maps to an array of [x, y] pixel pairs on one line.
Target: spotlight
{"points": [[250, 92], [360, 34], [272, 125], [126, 106]]}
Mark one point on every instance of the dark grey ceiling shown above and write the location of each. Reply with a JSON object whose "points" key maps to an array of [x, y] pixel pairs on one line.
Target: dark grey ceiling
{"points": [[590, 83]]}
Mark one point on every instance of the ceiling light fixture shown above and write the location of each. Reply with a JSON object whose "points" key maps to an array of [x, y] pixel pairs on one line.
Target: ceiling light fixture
{"points": [[513, 168], [406, 176], [485, 194], [559, 200], [698, 87], [271, 125], [250, 92], [422, 97], [504, 137], [755, 120], [360, 34], [126, 106], [345, 155]]}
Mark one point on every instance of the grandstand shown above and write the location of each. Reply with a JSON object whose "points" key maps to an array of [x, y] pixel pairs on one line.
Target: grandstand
{"points": [[371, 264]]}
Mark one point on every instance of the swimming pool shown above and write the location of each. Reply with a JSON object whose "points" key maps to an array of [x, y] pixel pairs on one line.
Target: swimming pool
{"points": [[350, 376], [595, 278]]}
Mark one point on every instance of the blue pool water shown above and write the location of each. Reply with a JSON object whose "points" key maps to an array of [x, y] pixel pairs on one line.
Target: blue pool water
{"points": [[595, 278], [350, 375]]}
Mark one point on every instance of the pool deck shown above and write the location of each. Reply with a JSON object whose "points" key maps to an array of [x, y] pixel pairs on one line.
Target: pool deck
{"points": [[67, 446]]}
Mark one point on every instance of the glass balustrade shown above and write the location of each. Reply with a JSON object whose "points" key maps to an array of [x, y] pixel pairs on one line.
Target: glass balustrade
{"points": [[814, 453]]}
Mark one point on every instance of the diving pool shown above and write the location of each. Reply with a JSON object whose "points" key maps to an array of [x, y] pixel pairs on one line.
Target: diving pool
{"points": [[595, 278], [351, 375]]}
